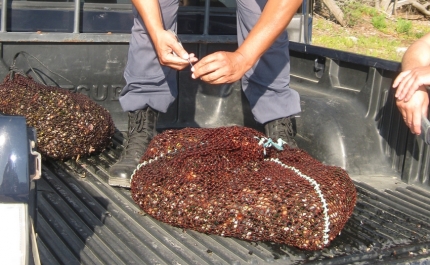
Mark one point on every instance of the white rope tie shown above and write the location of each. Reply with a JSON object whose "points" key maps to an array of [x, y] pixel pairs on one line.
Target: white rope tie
{"points": [[267, 142], [317, 189], [144, 163]]}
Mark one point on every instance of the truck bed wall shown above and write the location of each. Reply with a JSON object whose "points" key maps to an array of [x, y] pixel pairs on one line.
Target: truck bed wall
{"points": [[348, 117]]}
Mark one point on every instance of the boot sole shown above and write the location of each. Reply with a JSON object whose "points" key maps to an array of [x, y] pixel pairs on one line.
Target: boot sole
{"points": [[119, 182]]}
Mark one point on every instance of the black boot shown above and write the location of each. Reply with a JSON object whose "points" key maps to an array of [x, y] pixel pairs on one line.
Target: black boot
{"points": [[141, 129], [283, 128]]}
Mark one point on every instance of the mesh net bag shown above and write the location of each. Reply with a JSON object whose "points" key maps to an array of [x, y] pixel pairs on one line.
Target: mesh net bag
{"points": [[232, 181], [68, 125]]}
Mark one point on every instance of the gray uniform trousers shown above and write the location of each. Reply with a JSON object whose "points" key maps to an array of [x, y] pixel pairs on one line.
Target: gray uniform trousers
{"points": [[266, 84]]}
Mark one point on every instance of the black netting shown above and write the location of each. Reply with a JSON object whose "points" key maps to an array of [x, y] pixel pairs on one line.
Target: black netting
{"points": [[67, 124], [224, 181]]}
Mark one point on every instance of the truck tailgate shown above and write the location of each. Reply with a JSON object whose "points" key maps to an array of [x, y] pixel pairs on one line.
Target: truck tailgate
{"points": [[82, 220]]}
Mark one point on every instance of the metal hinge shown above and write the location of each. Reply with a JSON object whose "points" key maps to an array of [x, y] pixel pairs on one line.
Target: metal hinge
{"points": [[37, 162]]}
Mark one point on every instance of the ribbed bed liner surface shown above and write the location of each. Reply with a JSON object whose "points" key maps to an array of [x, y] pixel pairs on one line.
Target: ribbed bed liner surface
{"points": [[82, 220]]}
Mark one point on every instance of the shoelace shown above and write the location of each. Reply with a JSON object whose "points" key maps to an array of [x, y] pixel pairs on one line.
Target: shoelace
{"points": [[135, 143], [289, 130]]}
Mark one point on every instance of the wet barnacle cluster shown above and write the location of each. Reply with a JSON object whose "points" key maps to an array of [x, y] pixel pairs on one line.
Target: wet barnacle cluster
{"points": [[68, 125], [224, 181]]}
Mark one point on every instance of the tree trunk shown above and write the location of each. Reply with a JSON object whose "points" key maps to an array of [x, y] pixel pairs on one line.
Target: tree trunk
{"points": [[395, 7], [335, 10], [384, 5], [421, 8]]}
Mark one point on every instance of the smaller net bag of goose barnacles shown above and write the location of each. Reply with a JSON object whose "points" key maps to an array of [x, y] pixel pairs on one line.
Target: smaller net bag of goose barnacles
{"points": [[68, 125], [232, 181]]}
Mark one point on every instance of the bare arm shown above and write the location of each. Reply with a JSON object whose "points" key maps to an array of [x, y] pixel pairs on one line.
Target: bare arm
{"points": [[415, 69], [274, 19], [164, 42], [412, 96], [418, 54], [227, 67]]}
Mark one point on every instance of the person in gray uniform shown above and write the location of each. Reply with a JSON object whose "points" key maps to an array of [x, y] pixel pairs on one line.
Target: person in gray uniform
{"points": [[261, 61]]}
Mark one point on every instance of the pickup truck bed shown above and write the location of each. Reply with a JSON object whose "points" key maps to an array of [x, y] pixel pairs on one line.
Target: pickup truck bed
{"points": [[348, 119], [82, 220]]}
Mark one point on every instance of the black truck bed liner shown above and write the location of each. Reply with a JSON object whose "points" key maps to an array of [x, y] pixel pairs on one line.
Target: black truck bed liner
{"points": [[82, 220]]}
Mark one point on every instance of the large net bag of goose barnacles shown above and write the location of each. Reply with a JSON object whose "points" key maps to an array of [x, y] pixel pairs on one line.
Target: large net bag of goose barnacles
{"points": [[68, 125], [232, 181]]}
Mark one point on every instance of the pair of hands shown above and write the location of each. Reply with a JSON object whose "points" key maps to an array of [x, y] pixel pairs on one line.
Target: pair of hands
{"points": [[412, 96], [216, 68], [228, 67]]}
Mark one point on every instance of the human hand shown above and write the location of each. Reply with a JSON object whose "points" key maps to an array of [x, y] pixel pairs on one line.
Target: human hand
{"points": [[220, 68], [170, 52], [407, 82], [413, 109]]}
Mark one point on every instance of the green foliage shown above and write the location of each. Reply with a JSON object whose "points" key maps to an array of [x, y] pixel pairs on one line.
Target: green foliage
{"points": [[371, 46], [351, 14], [354, 11], [379, 22], [403, 26], [368, 10], [419, 34], [368, 32]]}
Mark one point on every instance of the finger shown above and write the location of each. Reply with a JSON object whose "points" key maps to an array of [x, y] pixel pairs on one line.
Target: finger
{"points": [[403, 113], [214, 78], [408, 117], [193, 59], [180, 51], [399, 78], [410, 88], [206, 77], [413, 87], [414, 83], [211, 62], [204, 68], [416, 122], [403, 87], [424, 110], [174, 61], [208, 59]]}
